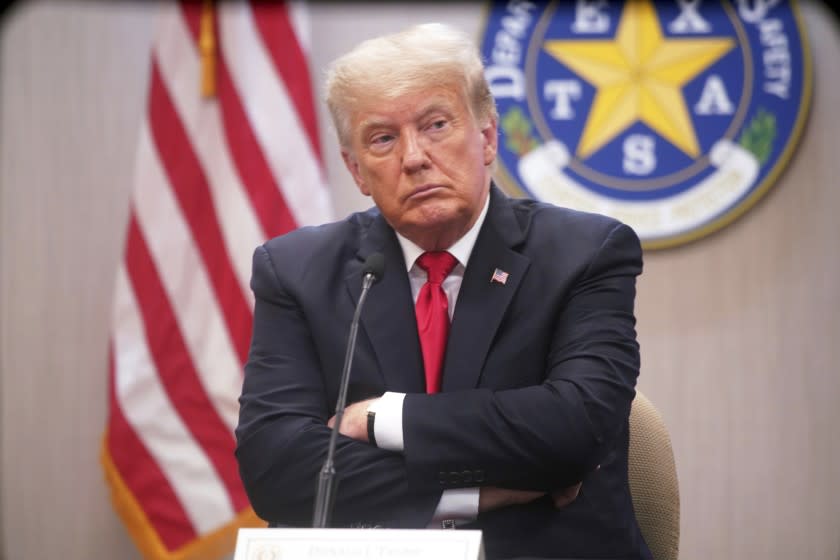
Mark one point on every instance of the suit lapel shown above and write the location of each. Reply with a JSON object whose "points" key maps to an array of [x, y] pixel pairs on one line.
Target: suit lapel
{"points": [[388, 316], [481, 302]]}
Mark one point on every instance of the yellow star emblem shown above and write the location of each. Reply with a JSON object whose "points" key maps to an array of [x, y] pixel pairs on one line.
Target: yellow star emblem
{"points": [[639, 77]]}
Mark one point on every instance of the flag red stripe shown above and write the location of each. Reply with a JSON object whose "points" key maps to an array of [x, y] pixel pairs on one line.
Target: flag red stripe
{"points": [[248, 157], [275, 28], [142, 475], [192, 16], [189, 184], [175, 368]]}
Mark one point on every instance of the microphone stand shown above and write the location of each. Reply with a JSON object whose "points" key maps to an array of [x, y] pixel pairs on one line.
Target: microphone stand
{"points": [[325, 495]]}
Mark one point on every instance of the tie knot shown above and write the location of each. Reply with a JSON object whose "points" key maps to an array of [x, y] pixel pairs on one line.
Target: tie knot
{"points": [[438, 265]]}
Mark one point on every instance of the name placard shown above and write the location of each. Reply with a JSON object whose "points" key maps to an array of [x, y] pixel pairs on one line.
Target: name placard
{"points": [[358, 544]]}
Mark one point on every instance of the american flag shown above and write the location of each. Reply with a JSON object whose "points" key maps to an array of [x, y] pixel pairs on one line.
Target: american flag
{"points": [[216, 174], [499, 276]]}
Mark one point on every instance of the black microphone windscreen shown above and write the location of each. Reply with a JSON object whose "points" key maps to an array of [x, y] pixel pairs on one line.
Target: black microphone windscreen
{"points": [[375, 266]]}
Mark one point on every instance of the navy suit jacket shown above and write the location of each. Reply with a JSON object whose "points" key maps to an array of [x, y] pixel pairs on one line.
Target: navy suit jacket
{"points": [[538, 380]]}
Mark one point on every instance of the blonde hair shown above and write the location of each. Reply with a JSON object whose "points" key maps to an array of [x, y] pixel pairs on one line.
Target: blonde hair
{"points": [[411, 60]]}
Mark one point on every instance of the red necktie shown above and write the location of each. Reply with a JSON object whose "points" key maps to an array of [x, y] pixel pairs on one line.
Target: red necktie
{"points": [[432, 311]]}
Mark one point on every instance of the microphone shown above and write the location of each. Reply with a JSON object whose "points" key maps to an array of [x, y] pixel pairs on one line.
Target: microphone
{"points": [[372, 272]]}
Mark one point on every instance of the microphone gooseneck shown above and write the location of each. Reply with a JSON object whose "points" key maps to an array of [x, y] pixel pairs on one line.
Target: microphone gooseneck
{"points": [[374, 269]]}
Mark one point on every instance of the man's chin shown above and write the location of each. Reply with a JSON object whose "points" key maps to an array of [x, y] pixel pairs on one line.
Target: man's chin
{"points": [[434, 224], [434, 214]]}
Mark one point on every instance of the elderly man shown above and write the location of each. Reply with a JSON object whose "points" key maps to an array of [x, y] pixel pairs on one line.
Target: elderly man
{"points": [[513, 418]]}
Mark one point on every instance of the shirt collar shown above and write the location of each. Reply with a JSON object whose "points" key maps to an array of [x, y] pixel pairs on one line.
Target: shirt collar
{"points": [[461, 249]]}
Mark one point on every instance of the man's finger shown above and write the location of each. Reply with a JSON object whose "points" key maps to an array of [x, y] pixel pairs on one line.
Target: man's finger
{"points": [[565, 496]]}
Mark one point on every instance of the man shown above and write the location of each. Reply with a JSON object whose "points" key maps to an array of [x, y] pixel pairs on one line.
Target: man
{"points": [[514, 420]]}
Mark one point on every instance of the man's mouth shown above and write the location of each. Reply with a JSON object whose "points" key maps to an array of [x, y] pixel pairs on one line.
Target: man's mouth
{"points": [[423, 191]]}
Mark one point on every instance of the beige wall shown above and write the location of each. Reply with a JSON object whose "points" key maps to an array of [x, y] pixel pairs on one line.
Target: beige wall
{"points": [[740, 332]]}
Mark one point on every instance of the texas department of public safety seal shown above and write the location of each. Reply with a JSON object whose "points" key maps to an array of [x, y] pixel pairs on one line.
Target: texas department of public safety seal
{"points": [[674, 117]]}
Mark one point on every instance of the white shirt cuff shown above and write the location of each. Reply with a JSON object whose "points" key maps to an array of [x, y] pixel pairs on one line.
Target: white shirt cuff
{"points": [[388, 427], [458, 505]]}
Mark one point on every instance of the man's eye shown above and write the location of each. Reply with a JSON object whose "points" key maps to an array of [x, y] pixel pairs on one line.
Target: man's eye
{"points": [[381, 139], [438, 124]]}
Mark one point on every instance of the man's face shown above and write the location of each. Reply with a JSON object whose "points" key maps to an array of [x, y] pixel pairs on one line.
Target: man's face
{"points": [[423, 159]]}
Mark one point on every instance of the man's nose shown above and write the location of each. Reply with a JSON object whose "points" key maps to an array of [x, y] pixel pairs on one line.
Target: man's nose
{"points": [[414, 156]]}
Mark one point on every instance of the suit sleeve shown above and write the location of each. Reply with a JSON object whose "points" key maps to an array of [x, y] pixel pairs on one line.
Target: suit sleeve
{"points": [[282, 434], [548, 435]]}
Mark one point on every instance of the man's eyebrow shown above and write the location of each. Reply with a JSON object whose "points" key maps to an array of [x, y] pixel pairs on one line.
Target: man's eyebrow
{"points": [[384, 122], [374, 122], [434, 107]]}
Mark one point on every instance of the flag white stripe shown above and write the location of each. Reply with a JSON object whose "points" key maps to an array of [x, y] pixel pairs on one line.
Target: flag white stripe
{"points": [[147, 408], [299, 16], [181, 72], [272, 116], [186, 282]]}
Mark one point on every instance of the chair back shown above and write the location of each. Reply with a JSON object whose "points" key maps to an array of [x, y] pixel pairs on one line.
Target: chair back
{"points": [[653, 480]]}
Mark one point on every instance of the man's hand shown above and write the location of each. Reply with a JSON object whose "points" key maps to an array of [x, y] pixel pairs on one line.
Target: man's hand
{"points": [[490, 497], [354, 421], [565, 496]]}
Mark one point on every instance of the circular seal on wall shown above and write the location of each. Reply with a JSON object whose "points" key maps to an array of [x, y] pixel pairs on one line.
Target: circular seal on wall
{"points": [[673, 117]]}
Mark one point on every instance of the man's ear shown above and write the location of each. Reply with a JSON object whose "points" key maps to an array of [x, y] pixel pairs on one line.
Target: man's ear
{"points": [[491, 140], [353, 167]]}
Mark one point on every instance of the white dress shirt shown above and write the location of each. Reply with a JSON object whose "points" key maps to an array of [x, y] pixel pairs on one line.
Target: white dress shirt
{"points": [[457, 504]]}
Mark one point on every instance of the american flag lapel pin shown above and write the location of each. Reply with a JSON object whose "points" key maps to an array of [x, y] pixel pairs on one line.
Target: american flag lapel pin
{"points": [[499, 276]]}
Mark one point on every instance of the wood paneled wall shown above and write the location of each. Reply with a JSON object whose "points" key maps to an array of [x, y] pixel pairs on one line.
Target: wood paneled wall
{"points": [[740, 331]]}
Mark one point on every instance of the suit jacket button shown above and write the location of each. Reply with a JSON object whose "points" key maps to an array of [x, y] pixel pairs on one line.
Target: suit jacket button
{"points": [[442, 478], [454, 477], [478, 476], [466, 476]]}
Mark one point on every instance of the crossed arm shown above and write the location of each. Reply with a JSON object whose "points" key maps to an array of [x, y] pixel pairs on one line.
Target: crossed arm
{"points": [[354, 425]]}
